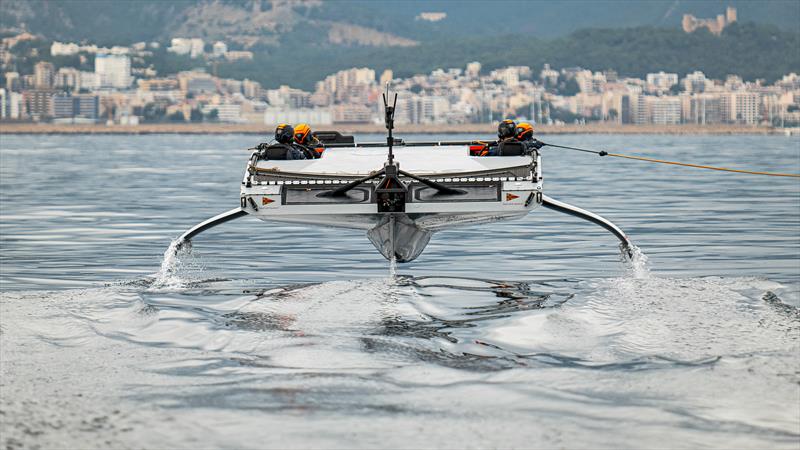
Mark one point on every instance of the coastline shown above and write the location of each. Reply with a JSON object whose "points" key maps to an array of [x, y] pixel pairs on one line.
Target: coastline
{"points": [[472, 128]]}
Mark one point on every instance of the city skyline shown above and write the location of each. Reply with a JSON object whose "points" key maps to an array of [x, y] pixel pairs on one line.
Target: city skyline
{"points": [[119, 90]]}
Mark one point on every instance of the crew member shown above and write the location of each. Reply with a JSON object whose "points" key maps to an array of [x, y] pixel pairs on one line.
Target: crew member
{"points": [[505, 132], [309, 144], [284, 134], [524, 134]]}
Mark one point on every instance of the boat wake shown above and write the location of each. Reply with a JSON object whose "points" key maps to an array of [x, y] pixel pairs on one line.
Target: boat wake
{"points": [[405, 344]]}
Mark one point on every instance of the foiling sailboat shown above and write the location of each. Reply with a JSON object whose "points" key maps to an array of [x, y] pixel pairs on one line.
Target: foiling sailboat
{"points": [[399, 192]]}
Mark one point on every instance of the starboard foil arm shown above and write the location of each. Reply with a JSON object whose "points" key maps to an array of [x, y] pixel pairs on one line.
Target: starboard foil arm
{"points": [[210, 223], [566, 208]]}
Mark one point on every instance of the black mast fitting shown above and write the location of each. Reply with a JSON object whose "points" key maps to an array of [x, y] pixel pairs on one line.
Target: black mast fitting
{"points": [[390, 192]]}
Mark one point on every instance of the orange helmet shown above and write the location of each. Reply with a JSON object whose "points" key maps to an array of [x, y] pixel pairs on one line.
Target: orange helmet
{"points": [[301, 133], [524, 131]]}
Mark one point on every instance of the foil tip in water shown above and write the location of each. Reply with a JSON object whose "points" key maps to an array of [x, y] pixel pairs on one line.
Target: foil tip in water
{"points": [[169, 265], [635, 260]]}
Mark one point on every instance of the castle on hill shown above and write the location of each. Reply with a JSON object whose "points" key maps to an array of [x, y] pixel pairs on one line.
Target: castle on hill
{"points": [[715, 26]]}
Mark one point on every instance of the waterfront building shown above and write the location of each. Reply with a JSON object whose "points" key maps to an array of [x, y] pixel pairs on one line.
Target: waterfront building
{"points": [[664, 110], [353, 114], [705, 109], [745, 107], [43, 74], [113, 71], [226, 112], [641, 113], [10, 105], [38, 103], [313, 116], [626, 109], [82, 106]]}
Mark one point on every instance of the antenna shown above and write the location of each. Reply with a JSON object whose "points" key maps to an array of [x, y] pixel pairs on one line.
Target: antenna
{"points": [[389, 119]]}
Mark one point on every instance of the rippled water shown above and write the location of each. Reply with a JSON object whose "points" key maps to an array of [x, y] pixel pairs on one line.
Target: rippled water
{"points": [[529, 333]]}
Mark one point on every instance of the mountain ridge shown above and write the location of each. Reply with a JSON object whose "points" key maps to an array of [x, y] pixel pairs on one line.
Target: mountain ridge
{"points": [[253, 23]]}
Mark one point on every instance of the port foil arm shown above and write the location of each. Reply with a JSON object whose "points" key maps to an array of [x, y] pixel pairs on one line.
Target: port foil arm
{"points": [[597, 219], [210, 223]]}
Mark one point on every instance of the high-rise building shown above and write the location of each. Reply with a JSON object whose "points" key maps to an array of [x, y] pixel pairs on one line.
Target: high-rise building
{"points": [[386, 77], [63, 106], [113, 71], [38, 103], [10, 104], [68, 78], [13, 82], [705, 109], [745, 107], [341, 84], [84, 106], [665, 110], [43, 75], [226, 112], [251, 89]]}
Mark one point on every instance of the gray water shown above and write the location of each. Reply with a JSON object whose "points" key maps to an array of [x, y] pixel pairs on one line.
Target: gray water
{"points": [[526, 334]]}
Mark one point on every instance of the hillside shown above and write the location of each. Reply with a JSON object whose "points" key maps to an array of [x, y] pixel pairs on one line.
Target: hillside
{"points": [[300, 42], [748, 50], [382, 23]]}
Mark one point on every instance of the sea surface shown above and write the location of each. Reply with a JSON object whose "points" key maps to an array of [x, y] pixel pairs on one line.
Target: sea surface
{"points": [[524, 334]]}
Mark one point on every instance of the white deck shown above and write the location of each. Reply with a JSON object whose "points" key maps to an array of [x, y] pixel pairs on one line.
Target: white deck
{"points": [[421, 161]]}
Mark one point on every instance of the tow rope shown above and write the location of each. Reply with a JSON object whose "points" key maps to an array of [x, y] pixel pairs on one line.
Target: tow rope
{"points": [[674, 163]]}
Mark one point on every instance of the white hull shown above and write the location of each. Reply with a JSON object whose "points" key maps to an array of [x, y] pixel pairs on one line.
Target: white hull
{"points": [[494, 188]]}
